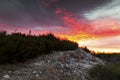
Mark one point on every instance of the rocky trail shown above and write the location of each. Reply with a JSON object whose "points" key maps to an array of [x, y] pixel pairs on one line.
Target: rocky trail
{"points": [[66, 65]]}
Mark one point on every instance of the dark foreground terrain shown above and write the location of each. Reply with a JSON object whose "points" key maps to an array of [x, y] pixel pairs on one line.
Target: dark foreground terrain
{"points": [[109, 71], [66, 65]]}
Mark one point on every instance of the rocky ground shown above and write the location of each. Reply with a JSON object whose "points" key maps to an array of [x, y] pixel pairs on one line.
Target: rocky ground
{"points": [[67, 65]]}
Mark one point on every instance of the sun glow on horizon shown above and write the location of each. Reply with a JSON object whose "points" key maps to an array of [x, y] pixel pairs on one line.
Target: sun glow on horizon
{"points": [[105, 50], [103, 45]]}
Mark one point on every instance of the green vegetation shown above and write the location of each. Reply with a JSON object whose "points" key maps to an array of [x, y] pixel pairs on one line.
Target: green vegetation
{"points": [[105, 72], [110, 58], [18, 47], [109, 71]]}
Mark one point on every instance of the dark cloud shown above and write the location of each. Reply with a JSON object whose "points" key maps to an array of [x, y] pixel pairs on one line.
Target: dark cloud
{"points": [[42, 12], [27, 12], [80, 5]]}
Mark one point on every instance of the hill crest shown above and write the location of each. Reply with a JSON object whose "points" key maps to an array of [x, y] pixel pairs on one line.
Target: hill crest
{"points": [[66, 65]]}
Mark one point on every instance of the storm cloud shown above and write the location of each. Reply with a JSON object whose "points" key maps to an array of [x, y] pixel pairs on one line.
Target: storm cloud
{"points": [[42, 12]]}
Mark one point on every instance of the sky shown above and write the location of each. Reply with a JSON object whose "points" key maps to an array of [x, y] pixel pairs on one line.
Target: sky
{"points": [[91, 23]]}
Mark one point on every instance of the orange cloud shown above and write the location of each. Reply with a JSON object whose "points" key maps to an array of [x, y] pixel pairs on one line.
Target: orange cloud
{"points": [[93, 35], [105, 27]]}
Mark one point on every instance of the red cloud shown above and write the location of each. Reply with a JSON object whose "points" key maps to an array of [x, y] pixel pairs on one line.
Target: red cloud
{"points": [[105, 27], [78, 30]]}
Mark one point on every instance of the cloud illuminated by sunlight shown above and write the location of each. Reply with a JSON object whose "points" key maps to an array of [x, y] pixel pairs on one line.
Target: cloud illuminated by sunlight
{"points": [[110, 44]]}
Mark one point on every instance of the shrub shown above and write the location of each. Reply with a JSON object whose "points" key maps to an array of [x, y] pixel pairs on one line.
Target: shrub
{"points": [[19, 47], [86, 49], [111, 58], [105, 72]]}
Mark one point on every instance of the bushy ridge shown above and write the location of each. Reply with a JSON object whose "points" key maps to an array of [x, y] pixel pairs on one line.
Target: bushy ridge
{"points": [[18, 47]]}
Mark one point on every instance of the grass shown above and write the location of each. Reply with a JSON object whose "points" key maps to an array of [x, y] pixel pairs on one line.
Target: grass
{"points": [[109, 71], [105, 72]]}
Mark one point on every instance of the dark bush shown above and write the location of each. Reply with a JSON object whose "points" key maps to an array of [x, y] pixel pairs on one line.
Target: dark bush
{"points": [[110, 58], [19, 47], [86, 49], [105, 72]]}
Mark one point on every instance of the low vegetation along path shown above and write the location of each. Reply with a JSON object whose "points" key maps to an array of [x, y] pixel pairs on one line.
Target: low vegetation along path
{"points": [[67, 65]]}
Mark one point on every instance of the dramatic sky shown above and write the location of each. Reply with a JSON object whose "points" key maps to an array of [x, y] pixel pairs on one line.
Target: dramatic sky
{"points": [[91, 23]]}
